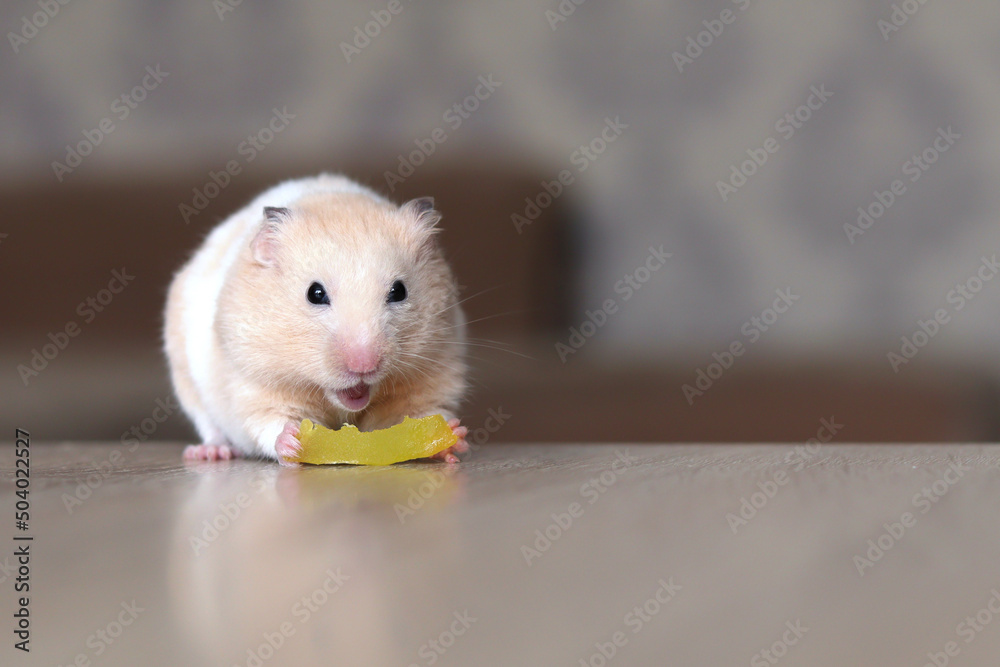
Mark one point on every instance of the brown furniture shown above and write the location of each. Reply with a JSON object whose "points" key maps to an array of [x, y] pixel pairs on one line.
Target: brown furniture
{"points": [[65, 240]]}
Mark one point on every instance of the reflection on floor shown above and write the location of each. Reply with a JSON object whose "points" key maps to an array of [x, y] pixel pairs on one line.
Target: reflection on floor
{"points": [[522, 555]]}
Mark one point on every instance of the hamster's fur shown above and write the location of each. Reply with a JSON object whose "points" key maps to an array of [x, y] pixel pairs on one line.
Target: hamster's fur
{"points": [[254, 346]]}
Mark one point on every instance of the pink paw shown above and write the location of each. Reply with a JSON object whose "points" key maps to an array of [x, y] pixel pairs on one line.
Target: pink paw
{"points": [[450, 455], [209, 452], [287, 446]]}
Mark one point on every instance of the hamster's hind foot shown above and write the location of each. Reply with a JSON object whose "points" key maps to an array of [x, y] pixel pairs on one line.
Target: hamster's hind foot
{"points": [[209, 452]]}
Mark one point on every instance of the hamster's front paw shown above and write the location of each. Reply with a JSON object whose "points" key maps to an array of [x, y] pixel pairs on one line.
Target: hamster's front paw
{"points": [[450, 455], [287, 446], [210, 452]]}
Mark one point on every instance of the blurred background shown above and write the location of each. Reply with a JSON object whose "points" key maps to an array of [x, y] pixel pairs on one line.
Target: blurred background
{"points": [[821, 175]]}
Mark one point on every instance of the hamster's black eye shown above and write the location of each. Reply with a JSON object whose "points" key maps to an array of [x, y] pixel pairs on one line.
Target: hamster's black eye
{"points": [[397, 292], [317, 295]]}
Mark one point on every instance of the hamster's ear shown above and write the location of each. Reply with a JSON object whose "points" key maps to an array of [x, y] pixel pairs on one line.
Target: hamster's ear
{"points": [[423, 212], [265, 244]]}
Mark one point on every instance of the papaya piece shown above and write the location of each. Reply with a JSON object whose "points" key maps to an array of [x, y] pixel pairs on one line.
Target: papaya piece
{"points": [[413, 439]]}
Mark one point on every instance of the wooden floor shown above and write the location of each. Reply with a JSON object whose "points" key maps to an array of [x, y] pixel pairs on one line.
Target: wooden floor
{"points": [[522, 555]]}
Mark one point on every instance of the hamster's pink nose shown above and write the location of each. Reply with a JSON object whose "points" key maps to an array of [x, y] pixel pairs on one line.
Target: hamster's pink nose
{"points": [[361, 359]]}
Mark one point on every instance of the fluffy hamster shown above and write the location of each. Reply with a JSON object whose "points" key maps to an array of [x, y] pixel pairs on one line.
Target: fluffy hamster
{"points": [[319, 299]]}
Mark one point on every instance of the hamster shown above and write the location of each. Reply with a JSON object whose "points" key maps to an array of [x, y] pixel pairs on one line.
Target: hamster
{"points": [[321, 300]]}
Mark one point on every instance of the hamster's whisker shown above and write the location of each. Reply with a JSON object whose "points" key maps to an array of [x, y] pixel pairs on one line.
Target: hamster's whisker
{"points": [[418, 369], [472, 381], [483, 340], [482, 319], [461, 301], [430, 362], [458, 303], [490, 347]]}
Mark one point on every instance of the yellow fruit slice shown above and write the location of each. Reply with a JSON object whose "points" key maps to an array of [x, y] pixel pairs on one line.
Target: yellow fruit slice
{"points": [[413, 439]]}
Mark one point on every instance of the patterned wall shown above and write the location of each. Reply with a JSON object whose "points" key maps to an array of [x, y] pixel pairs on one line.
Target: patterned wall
{"points": [[748, 134]]}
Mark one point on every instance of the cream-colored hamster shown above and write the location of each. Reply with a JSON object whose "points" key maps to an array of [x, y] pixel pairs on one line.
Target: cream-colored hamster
{"points": [[319, 300]]}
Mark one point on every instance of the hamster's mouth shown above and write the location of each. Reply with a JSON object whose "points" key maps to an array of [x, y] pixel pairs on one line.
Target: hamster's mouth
{"points": [[355, 398]]}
